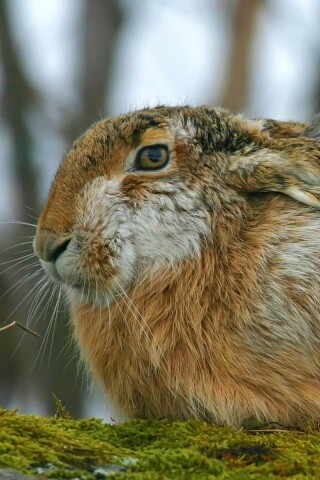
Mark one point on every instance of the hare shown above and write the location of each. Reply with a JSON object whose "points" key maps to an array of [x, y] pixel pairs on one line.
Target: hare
{"points": [[187, 242]]}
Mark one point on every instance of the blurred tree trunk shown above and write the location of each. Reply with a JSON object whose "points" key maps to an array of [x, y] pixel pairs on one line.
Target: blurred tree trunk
{"points": [[101, 28], [244, 17], [17, 100]]}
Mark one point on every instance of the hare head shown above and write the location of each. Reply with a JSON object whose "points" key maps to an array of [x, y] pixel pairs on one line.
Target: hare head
{"points": [[186, 240]]}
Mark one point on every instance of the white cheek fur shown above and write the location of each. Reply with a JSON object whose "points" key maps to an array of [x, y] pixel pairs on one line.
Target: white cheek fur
{"points": [[162, 230], [169, 229]]}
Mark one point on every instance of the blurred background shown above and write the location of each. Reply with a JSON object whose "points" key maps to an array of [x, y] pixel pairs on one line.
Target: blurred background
{"points": [[64, 65]]}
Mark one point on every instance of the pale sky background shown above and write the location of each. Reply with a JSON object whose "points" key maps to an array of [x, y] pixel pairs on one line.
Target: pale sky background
{"points": [[171, 52]]}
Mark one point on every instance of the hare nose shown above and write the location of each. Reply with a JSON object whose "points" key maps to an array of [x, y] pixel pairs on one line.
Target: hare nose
{"points": [[48, 246]]}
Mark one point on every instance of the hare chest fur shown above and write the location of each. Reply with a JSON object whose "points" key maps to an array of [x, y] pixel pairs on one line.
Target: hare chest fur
{"points": [[186, 240]]}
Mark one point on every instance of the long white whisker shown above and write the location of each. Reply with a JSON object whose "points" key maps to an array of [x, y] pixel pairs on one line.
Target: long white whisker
{"points": [[54, 316], [31, 315], [124, 294], [124, 297], [25, 259], [22, 257], [35, 217], [143, 321], [20, 283], [23, 267], [121, 311], [47, 333], [36, 303], [18, 222], [44, 310], [25, 299], [29, 242], [96, 297]]}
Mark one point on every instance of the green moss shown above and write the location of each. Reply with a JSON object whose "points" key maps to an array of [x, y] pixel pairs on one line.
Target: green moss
{"points": [[155, 450]]}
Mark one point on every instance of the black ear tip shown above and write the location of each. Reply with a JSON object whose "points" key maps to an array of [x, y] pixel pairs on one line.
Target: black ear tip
{"points": [[314, 130]]}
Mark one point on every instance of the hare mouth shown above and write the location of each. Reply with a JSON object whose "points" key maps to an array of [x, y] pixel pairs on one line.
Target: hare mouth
{"points": [[92, 272], [92, 289]]}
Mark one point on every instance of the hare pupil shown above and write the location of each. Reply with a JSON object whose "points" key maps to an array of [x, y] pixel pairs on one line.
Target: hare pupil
{"points": [[155, 154]]}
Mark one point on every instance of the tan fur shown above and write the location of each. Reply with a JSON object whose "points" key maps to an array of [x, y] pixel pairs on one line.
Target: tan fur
{"points": [[230, 335], [284, 129], [155, 135]]}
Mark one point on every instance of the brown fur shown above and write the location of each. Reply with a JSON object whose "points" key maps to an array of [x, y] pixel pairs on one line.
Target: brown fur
{"points": [[232, 336]]}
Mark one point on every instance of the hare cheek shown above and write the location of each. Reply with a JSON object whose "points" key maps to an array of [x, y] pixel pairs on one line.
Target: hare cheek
{"points": [[168, 231]]}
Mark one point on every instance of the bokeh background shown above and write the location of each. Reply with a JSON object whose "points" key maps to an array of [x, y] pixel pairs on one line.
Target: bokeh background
{"points": [[65, 64]]}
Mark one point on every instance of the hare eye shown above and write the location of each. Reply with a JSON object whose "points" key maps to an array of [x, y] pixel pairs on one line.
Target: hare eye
{"points": [[152, 158]]}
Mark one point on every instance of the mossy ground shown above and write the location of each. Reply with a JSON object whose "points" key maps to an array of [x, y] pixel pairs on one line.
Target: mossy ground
{"points": [[153, 450]]}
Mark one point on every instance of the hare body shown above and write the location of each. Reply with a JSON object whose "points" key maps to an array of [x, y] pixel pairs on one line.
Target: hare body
{"points": [[194, 286]]}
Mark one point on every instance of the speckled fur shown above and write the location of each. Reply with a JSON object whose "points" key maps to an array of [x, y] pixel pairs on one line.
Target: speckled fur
{"points": [[194, 290]]}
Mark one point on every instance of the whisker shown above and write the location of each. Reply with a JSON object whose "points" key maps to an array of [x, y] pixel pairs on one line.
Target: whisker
{"points": [[124, 294], [144, 322], [20, 283], [68, 342], [121, 311], [18, 222], [88, 292], [25, 299], [47, 333], [44, 310], [36, 218], [54, 316], [18, 258], [68, 345], [36, 303], [29, 242], [31, 315], [96, 297], [23, 267], [109, 318], [72, 357], [28, 323]]}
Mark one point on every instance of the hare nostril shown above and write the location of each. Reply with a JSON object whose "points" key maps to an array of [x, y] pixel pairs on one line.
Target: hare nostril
{"points": [[49, 245], [57, 251]]}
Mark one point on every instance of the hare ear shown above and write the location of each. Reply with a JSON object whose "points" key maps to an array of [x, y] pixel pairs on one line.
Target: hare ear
{"points": [[278, 129], [313, 131], [296, 174]]}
